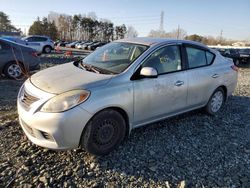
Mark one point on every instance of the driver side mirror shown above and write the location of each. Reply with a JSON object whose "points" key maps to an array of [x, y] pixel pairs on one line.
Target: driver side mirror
{"points": [[149, 72]]}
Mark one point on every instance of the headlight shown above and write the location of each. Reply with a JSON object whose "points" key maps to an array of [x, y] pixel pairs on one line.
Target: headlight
{"points": [[65, 101]]}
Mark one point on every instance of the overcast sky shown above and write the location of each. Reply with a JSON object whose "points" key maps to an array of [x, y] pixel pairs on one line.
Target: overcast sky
{"points": [[194, 16]]}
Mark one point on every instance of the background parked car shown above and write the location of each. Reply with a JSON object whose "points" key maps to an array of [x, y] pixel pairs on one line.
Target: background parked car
{"points": [[42, 44], [244, 55], [82, 45], [16, 40], [96, 45], [72, 44], [85, 46], [233, 54], [62, 43], [16, 58], [237, 55]]}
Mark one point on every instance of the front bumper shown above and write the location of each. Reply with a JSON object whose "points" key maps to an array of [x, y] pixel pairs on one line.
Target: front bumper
{"points": [[57, 131]]}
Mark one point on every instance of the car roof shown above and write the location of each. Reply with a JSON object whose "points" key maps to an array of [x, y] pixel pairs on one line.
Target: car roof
{"points": [[37, 36], [13, 43], [154, 41]]}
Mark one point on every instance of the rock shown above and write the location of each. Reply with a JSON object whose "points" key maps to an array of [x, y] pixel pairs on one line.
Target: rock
{"points": [[151, 152], [181, 184], [247, 151], [90, 173], [68, 173], [26, 185], [92, 166], [41, 185], [43, 179], [80, 173], [153, 168], [206, 124]]}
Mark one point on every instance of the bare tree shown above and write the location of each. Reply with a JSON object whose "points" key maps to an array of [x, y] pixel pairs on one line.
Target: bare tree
{"points": [[131, 32]]}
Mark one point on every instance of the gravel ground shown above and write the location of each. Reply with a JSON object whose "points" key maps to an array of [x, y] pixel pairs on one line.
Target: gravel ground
{"points": [[190, 150]]}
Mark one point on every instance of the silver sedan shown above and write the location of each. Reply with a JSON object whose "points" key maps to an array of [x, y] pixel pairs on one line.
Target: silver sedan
{"points": [[95, 102]]}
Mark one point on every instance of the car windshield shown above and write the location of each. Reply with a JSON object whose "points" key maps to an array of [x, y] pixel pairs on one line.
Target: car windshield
{"points": [[114, 57]]}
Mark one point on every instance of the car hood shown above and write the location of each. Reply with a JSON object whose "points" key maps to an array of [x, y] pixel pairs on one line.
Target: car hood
{"points": [[67, 77]]}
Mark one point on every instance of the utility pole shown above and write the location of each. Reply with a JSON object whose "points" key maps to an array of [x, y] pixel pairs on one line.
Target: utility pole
{"points": [[178, 32], [221, 32], [162, 21]]}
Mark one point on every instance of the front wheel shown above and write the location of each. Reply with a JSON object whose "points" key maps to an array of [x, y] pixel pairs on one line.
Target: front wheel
{"points": [[13, 70], [215, 102], [104, 132]]}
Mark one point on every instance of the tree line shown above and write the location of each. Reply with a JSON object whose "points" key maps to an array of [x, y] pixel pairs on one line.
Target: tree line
{"points": [[78, 27], [89, 27], [5, 24], [180, 33]]}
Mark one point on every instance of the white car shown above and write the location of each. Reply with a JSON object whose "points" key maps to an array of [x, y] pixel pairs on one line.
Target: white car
{"points": [[42, 44]]}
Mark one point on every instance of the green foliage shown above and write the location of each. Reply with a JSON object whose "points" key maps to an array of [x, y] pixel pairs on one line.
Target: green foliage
{"points": [[43, 28], [5, 23]]}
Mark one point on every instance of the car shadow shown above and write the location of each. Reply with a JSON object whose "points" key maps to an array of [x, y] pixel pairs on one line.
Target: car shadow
{"points": [[192, 147]]}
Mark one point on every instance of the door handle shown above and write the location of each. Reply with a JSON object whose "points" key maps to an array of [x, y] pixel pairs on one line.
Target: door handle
{"points": [[179, 83], [215, 76]]}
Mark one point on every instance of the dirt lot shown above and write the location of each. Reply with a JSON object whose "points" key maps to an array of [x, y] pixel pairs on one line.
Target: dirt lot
{"points": [[191, 150]]}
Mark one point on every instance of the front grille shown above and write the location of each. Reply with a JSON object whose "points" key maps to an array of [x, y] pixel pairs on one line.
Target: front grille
{"points": [[27, 99]]}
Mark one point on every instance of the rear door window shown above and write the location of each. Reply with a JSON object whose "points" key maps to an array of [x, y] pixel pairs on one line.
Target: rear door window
{"points": [[40, 39]]}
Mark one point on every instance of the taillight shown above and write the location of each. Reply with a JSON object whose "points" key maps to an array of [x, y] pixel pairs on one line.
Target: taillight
{"points": [[34, 54], [235, 68]]}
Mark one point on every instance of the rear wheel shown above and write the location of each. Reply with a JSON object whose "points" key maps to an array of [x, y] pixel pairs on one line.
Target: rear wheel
{"points": [[47, 49], [104, 132], [215, 102], [237, 62], [13, 70]]}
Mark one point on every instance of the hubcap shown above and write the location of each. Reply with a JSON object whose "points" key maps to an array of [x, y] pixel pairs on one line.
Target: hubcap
{"points": [[47, 49], [237, 62], [105, 132], [14, 70], [216, 101]]}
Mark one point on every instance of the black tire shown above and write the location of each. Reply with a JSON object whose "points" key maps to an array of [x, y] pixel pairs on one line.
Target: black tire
{"points": [[105, 131], [47, 49], [11, 72], [236, 62], [211, 107]]}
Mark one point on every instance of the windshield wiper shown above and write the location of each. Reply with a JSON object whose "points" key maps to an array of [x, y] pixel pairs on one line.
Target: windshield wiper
{"points": [[90, 68], [96, 69]]}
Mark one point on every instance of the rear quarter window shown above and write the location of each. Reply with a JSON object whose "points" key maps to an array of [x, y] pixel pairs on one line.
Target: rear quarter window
{"points": [[196, 57], [210, 57], [199, 57]]}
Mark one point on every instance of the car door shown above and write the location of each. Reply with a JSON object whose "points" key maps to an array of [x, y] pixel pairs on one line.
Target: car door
{"points": [[155, 98], [202, 76]]}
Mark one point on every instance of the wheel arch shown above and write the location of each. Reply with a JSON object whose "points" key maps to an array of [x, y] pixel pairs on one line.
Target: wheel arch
{"points": [[225, 91], [45, 47], [11, 61], [118, 109]]}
